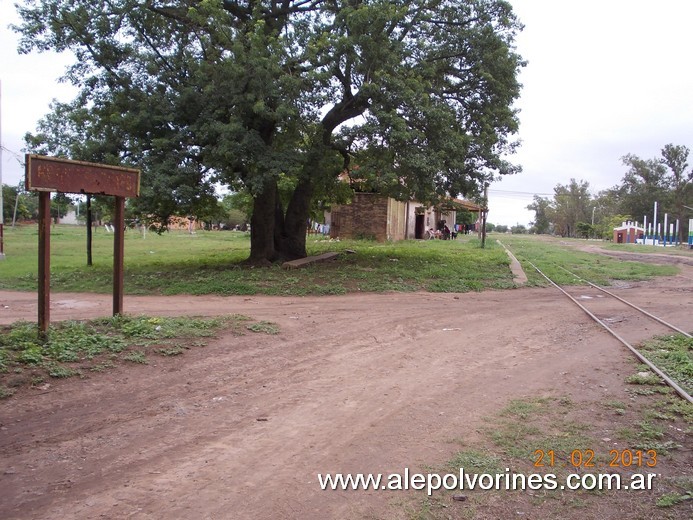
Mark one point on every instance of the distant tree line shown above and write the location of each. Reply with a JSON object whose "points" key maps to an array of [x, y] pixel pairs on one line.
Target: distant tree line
{"points": [[574, 212], [518, 229]]}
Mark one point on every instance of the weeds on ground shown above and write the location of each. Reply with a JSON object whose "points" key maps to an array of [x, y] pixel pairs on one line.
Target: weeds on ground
{"points": [[544, 435], [673, 354], [74, 348]]}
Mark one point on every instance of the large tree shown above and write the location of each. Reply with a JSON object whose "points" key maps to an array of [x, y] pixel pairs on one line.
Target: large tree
{"points": [[572, 205], [246, 92], [543, 212], [644, 183], [680, 181]]}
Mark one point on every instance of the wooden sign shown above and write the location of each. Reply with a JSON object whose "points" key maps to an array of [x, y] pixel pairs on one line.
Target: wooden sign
{"points": [[65, 176], [47, 174]]}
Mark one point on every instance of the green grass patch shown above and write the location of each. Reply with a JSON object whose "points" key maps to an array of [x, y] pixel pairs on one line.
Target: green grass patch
{"points": [[682, 250], [136, 356], [527, 425], [547, 253], [644, 378], [266, 327], [212, 263], [73, 348], [554, 435], [618, 406], [674, 356], [671, 499]]}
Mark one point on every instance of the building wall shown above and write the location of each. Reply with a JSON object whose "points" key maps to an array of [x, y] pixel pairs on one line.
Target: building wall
{"points": [[396, 219], [628, 235], [366, 217], [381, 218], [410, 222], [71, 218]]}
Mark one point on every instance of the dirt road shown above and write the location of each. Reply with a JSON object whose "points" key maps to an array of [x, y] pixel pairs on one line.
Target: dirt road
{"points": [[359, 383]]}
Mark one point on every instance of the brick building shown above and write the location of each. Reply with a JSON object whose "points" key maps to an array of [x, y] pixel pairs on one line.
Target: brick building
{"points": [[628, 233], [370, 215]]}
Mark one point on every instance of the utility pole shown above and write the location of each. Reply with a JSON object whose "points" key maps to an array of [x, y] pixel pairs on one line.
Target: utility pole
{"points": [[2, 208], [89, 240], [16, 203], [485, 215]]}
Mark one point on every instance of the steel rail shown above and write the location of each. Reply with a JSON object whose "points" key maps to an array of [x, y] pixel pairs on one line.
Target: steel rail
{"points": [[673, 327], [637, 354]]}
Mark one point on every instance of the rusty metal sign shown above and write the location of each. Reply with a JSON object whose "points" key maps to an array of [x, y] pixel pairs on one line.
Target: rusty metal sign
{"points": [[66, 176], [47, 174]]}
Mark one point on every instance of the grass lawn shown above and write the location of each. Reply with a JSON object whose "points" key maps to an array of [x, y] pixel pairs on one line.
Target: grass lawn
{"points": [[210, 263], [548, 253]]}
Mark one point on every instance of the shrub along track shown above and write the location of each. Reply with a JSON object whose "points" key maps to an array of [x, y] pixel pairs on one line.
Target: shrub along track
{"points": [[357, 383]]}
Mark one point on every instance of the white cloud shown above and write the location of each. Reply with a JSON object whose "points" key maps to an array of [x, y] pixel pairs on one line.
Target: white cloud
{"points": [[604, 79]]}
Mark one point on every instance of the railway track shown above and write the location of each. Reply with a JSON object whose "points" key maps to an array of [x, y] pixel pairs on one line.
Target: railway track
{"points": [[581, 299]]}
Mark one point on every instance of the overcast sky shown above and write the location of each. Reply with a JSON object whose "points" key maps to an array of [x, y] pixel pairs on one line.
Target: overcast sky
{"points": [[604, 78]]}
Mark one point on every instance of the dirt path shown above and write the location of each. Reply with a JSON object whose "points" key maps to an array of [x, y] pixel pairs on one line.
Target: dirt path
{"points": [[360, 383]]}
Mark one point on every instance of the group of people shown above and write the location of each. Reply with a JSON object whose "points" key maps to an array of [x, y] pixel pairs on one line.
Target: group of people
{"points": [[442, 232]]}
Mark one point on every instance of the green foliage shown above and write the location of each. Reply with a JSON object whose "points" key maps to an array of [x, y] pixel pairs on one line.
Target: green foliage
{"points": [[673, 498], [96, 345], [584, 230], [648, 379], [667, 180], [474, 461], [542, 214], [60, 205], [680, 181], [265, 327], [238, 207], [32, 355], [606, 227], [136, 356], [674, 356], [211, 263], [644, 183], [466, 217], [25, 204], [259, 102], [60, 371], [571, 205], [173, 351]]}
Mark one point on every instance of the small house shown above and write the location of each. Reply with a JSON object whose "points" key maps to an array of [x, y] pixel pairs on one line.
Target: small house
{"points": [[628, 233], [375, 216]]}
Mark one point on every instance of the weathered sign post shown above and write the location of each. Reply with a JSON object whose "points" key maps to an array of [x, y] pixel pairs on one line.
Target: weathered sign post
{"points": [[48, 174]]}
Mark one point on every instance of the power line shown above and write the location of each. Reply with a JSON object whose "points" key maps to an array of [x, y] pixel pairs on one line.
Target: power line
{"points": [[17, 156], [520, 192]]}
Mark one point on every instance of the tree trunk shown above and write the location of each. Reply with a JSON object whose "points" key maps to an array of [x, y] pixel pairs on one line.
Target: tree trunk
{"points": [[292, 239], [262, 225]]}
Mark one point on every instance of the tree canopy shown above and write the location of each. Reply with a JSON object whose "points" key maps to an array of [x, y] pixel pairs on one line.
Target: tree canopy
{"points": [[417, 94]]}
